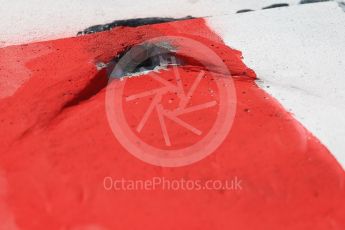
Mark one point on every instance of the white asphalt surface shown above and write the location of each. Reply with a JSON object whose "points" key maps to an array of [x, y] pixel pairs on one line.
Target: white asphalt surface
{"points": [[299, 54], [24, 21]]}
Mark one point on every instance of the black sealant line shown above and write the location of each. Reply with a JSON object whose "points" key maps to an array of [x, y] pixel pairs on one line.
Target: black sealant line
{"points": [[276, 6], [135, 22]]}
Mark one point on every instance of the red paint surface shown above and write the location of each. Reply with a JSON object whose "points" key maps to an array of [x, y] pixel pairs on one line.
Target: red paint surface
{"points": [[56, 148]]}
